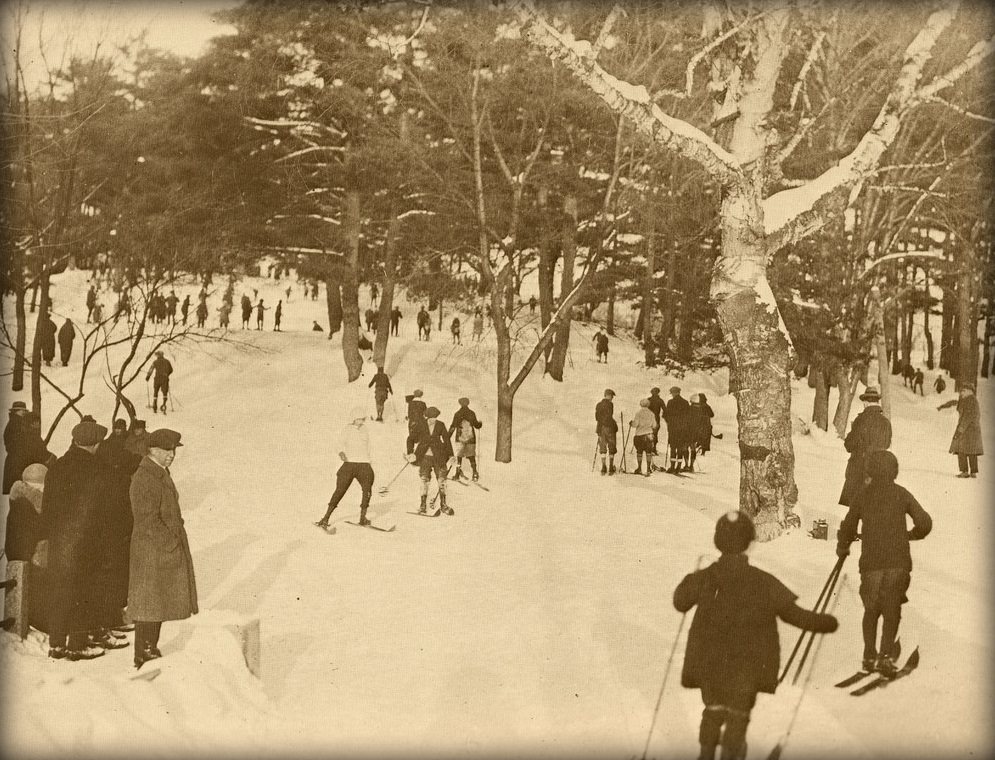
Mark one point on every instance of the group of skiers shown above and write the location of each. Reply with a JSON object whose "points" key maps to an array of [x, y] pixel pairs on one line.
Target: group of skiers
{"points": [[260, 309], [102, 531], [689, 431], [424, 322]]}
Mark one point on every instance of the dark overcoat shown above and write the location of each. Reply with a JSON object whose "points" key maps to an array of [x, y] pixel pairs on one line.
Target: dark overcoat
{"points": [[118, 523], [24, 527], [871, 431], [967, 436], [700, 426], [161, 585]]}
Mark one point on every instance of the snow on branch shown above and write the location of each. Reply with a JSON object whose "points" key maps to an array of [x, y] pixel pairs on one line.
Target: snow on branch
{"points": [[981, 50], [960, 110], [938, 255], [791, 214], [312, 149], [810, 59], [628, 100], [606, 30]]}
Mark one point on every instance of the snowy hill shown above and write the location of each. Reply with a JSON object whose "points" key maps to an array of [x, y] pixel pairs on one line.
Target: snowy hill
{"points": [[535, 622]]}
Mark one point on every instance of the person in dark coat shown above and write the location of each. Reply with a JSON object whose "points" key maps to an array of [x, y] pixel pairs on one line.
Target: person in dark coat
{"points": [[381, 389], [161, 583], [415, 416], [463, 430], [137, 441], [259, 314], [600, 341], [870, 431], [24, 522], [47, 331], [161, 369], [201, 314], [678, 431], [657, 406], [12, 437], [607, 430], [72, 504], [246, 310], [733, 650], [91, 301], [371, 317], [121, 465], [433, 453], [917, 380], [885, 560], [395, 320], [67, 334], [454, 328], [278, 316], [966, 443], [424, 324], [699, 428], [25, 446], [532, 304], [185, 308], [939, 385]]}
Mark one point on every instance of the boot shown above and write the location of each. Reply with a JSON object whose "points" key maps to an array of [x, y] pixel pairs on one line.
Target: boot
{"points": [[476, 475], [709, 731], [604, 467], [423, 509], [446, 509], [734, 735], [611, 466]]}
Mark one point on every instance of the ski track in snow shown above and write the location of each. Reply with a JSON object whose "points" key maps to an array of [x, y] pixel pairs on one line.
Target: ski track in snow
{"points": [[538, 617]]}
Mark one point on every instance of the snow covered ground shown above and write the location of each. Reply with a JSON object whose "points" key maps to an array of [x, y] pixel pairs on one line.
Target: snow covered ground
{"points": [[535, 622]]}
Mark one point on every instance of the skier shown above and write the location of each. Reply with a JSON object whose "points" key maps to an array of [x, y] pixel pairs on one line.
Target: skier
{"points": [[532, 304], [185, 308], [733, 651], [917, 381], [600, 341], [433, 453], [607, 430], [415, 416], [98, 313], [48, 330], [642, 425], [454, 329], [657, 406], [908, 375], [314, 292], [171, 301], [381, 389], [354, 451], [277, 316], [395, 320], [699, 427], [424, 322], [162, 370], [91, 300], [259, 314], [966, 443], [677, 431], [288, 291], [478, 326], [201, 314], [465, 426], [870, 431], [67, 334], [885, 559], [246, 310], [940, 384]]}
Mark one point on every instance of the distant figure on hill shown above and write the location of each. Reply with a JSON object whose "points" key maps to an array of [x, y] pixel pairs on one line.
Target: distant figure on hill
{"points": [[314, 292], [600, 341], [223, 314], [940, 384], [532, 305], [478, 326], [381, 389], [424, 324], [201, 314], [395, 320], [277, 316], [48, 330], [259, 314], [185, 308], [374, 295], [917, 381], [966, 443], [454, 328], [171, 302], [91, 300], [67, 334], [246, 311], [908, 375], [371, 317]]}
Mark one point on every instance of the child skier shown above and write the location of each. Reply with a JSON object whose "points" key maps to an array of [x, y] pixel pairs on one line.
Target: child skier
{"points": [[885, 559], [733, 650]]}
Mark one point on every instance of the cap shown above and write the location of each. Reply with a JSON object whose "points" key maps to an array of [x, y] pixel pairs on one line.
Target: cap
{"points": [[464, 401], [417, 393], [34, 474], [654, 390], [609, 392], [675, 389], [431, 412], [644, 402], [158, 353], [871, 394], [18, 406], [733, 532], [140, 424], [120, 423], [164, 438], [88, 433]]}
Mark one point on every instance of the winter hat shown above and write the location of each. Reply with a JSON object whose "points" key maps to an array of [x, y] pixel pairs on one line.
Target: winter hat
{"points": [[733, 533], [882, 466], [18, 406], [695, 399], [644, 402], [140, 424], [417, 393], [675, 389], [609, 392], [357, 412], [34, 475], [120, 423], [431, 412], [464, 401], [872, 395], [88, 433], [654, 391], [701, 397], [164, 438]]}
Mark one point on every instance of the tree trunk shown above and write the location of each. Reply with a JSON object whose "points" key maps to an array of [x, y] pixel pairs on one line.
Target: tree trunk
{"points": [[610, 318], [847, 377], [948, 347], [986, 347], [685, 332], [350, 289], [649, 282], [386, 292], [967, 316], [927, 308], [819, 377], [568, 245], [333, 300], [36, 361], [669, 307], [20, 338], [547, 264]]}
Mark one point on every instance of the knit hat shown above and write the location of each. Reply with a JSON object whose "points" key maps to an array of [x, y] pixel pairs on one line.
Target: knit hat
{"points": [[164, 438], [644, 402], [34, 475], [464, 401], [417, 393], [882, 466], [872, 395], [88, 433], [431, 412], [733, 532]]}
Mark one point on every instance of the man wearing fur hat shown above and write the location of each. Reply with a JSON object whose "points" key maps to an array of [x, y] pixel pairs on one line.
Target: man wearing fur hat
{"points": [[870, 431], [354, 451], [433, 453], [731, 664], [885, 559], [161, 582], [72, 511]]}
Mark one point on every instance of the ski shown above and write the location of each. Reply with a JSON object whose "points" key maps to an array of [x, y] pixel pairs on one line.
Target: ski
{"points": [[859, 675], [329, 529], [477, 484], [426, 514], [881, 681], [459, 481], [372, 526]]}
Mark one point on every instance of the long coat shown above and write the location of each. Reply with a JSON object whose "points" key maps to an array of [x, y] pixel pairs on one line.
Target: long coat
{"points": [[67, 334], [118, 525], [871, 431], [48, 330], [161, 584], [967, 436], [700, 426], [72, 507]]}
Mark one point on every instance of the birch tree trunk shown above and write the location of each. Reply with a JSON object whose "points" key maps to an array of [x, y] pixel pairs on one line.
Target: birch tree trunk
{"points": [[879, 370], [386, 291], [820, 381], [547, 264], [350, 289], [967, 315], [847, 377], [649, 282], [568, 246]]}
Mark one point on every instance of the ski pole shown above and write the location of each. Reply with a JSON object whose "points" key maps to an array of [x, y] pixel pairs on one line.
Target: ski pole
{"points": [[386, 488], [595, 460], [148, 396], [775, 753], [832, 574], [808, 646], [625, 438], [666, 672]]}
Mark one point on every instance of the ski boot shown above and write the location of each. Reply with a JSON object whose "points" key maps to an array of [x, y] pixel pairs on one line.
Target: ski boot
{"points": [[446, 509], [611, 469], [886, 666], [476, 476], [604, 469], [423, 509]]}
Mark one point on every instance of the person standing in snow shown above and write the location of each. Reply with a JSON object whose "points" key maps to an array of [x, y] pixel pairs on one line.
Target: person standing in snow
{"points": [[885, 560], [939, 385], [678, 436], [381, 390], [185, 308], [532, 304], [732, 662], [917, 380], [201, 314], [246, 311], [424, 322], [464, 427], [395, 320], [454, 329], [870, 431], [354, 451], [161, 581], [47, 331], [67, 334], [699, 427], [161, 369], [278, 316], [478, 326], [91, 301], [966, 443], [171, 301], [433, 454], [223, 312], [657, 406], [415, 416], [642, 425], [259, 314], [374, 295], [607, 431], [371, 317], [600, 341]]}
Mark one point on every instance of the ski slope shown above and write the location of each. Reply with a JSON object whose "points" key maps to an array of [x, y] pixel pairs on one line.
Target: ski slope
{"points": [[535, 622]]}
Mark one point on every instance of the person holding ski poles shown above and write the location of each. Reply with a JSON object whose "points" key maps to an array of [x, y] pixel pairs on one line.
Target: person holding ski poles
{"points": [[433, 453], [381, 389], [733, 650], [607, 431], [355, 455], [162, 369], [885, 559]]}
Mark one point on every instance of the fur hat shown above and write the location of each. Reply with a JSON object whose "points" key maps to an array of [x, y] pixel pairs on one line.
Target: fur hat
{"points": [[164, 438], [34, 475], [872, 395], [734, 532], [431, 412], [88, 433], [882, 466]]}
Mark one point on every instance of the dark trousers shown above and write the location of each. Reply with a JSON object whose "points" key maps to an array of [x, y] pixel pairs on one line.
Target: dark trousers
{"points": [[380, 402], [146, 636], [966, 460], [348, 472], [157, 386], [883, 594], [75, 641], [724, 721]]}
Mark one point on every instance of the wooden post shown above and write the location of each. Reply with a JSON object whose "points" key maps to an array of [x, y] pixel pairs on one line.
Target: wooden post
{"points": [[16, 597], [247, 633]]}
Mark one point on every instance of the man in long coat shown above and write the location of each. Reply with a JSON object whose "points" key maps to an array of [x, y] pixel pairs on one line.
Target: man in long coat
{"points": [[678, 431], [161, 585], [966, 443], [870, 431], [67, 334], [118, 524]]}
